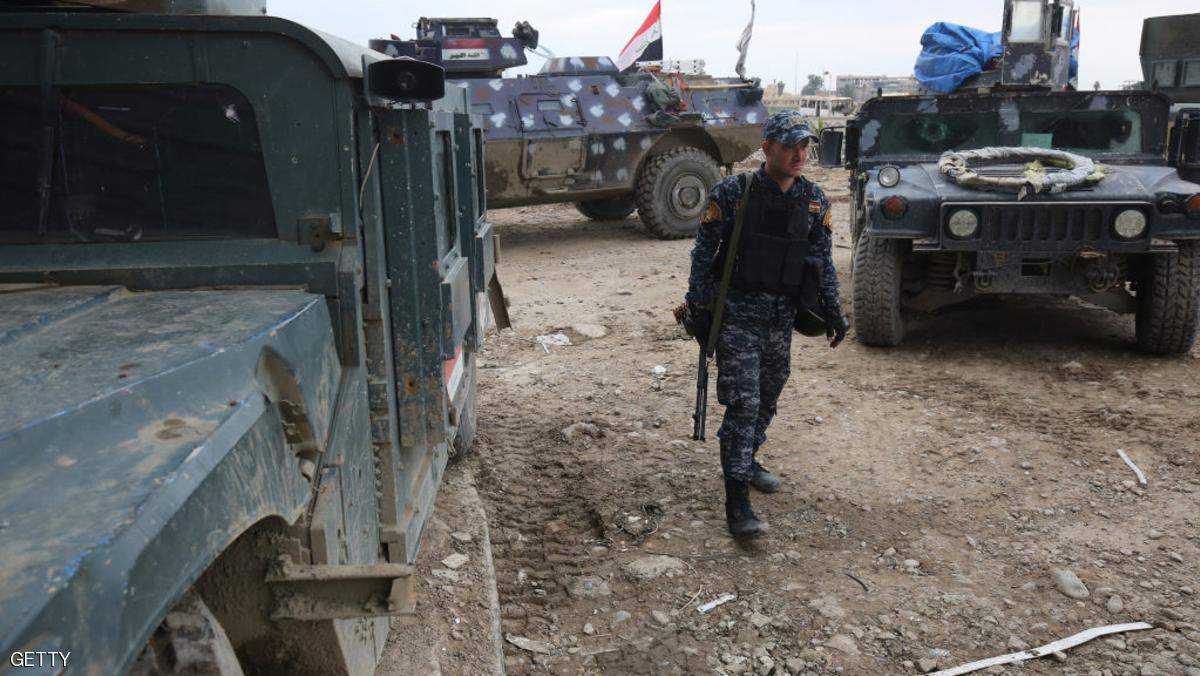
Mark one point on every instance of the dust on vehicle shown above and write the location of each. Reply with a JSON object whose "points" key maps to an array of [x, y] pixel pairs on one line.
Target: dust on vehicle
{"points": [[210, 291]]}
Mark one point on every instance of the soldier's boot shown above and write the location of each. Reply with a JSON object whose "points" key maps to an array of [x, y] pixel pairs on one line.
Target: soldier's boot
{"points": [[763, 480], [738, 515]]}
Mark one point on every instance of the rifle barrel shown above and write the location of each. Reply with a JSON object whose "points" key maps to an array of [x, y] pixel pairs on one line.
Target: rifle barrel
{"points": [[698, 418]]}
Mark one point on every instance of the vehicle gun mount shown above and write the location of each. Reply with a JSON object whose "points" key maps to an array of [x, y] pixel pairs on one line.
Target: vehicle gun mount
{"points": [[1171, 56], [1037, 43], [465, 47]]}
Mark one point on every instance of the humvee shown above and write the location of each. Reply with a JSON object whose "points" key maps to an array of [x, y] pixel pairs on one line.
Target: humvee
{"points": [[579, 131], [243, 276], [1126, 238]]}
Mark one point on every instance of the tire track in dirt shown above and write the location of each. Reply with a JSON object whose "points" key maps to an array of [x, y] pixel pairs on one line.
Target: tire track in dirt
{"points": [[972, 451]]}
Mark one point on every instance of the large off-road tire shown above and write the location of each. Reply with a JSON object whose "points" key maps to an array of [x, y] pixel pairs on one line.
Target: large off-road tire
{"points": [[1168, 295], [608, 208], [876, 277], [672, 191], [189, 642]]}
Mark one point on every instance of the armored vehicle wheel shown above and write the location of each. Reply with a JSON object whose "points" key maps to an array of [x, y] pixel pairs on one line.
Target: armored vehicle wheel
{"points": [[672, 190], [876, 278], [608, 208], [1168, 311], [189, 641]]}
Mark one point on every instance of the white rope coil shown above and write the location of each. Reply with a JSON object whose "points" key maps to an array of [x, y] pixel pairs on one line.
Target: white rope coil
{"points": [[1076, 169]]}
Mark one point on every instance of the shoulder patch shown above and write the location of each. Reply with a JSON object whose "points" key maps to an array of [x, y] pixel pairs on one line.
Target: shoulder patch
{"points": [[828, 220], [814, 207], [711, 213]]}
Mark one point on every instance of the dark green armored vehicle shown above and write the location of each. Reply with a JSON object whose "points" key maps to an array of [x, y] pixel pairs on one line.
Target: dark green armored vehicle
{"points": [[1016, 184], [243, 280], [1171, 64]]}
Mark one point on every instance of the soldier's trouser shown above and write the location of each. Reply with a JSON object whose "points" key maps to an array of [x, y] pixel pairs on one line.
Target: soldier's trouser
{"points": [[753, 362]]}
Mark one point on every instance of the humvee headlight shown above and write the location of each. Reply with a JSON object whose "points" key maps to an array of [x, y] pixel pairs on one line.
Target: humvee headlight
{"points": [[1130, 224], [963, 223], [889, 177]]}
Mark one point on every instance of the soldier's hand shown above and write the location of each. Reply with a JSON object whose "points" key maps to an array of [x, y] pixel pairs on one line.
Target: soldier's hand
{"points": [[836, 327], [696, 320], [701, 322]]}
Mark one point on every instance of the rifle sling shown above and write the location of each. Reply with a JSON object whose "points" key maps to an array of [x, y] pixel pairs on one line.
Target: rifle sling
{"points": [[727, 271]]}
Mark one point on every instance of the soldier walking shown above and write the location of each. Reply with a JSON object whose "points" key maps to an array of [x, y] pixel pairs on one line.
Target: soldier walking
{"points": [[783, 266]]}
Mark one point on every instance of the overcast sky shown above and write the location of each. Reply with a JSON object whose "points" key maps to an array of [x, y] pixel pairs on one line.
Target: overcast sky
{"points": [[791, 38]]}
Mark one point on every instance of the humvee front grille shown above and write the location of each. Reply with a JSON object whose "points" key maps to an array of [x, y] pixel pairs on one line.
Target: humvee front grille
{"points": [[1044, 226]]}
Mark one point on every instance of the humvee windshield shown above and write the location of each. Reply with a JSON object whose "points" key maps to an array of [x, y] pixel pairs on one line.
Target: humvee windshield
{"points": [[1108, 131], [130, 163], [928, 134]]}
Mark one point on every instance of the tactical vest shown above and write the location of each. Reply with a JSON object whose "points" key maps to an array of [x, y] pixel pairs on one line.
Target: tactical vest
{"points": [[774, 253]]}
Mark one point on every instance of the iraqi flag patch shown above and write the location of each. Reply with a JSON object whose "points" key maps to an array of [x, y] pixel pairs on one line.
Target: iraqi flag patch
{"points": [[814, 207]]}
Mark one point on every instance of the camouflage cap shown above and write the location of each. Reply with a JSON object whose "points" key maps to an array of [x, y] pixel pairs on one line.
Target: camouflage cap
{"points": [[788, 127]]}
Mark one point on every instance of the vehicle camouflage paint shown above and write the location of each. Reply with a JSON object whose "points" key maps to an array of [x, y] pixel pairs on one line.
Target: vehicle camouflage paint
{"points": [[579, 131], [243, 279], [922, 240]]}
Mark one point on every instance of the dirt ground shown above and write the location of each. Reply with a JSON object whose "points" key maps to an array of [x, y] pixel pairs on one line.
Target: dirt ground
{"points": [[932, 491]]}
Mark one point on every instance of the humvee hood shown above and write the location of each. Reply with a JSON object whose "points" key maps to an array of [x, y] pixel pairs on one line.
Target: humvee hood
{"points": [[115, 404], [1134, 183]]}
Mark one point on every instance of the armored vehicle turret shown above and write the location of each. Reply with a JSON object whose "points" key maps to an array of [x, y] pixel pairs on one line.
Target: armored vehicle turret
{"points": [[237, 335], [579, 131], [1013, 185], [1171, 64], [1170, 54]]}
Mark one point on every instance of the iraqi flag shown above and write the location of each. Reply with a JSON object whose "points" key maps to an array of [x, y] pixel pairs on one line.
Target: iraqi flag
{"points": [[646, 43]]}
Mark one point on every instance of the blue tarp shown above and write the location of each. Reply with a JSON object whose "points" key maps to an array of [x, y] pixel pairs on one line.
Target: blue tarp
{"points": [[951, 53], [1074, 74]]}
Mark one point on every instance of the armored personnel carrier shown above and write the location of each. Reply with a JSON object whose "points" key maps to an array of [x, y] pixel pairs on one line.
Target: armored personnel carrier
{"points": [[1014, 184], [237, 335], [581, 132]]}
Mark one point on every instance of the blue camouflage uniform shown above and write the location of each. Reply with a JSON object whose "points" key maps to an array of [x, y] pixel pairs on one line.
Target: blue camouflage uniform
{"points": [[754, 345]]}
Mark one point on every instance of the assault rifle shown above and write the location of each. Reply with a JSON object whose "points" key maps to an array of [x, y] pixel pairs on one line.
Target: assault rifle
{"points": [[709, 345]]}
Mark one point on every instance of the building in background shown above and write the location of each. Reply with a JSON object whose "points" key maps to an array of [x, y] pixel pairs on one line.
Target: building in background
{"points": [[859, 88], [812, 105]]}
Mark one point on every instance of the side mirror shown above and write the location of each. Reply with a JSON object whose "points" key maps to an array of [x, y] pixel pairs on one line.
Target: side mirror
{"points": [[830, 148], [1185, 140], [404, 80]]}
